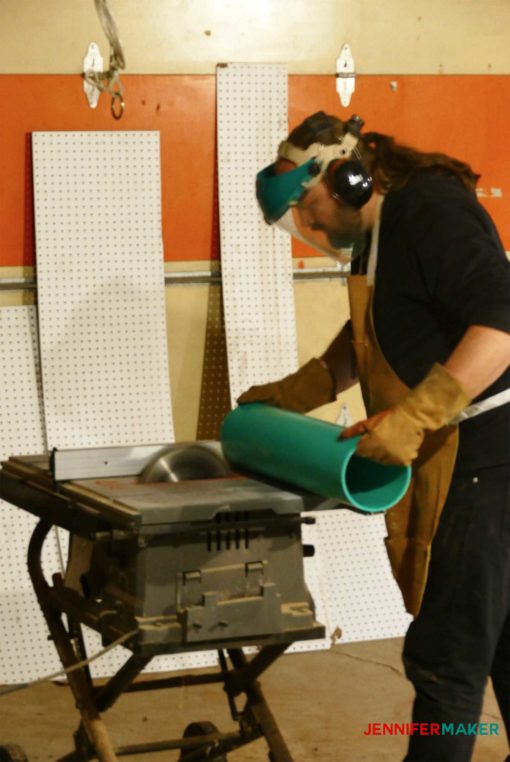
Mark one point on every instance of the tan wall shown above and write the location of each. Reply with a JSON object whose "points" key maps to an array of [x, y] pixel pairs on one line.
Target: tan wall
{"points": [[192, 36]]}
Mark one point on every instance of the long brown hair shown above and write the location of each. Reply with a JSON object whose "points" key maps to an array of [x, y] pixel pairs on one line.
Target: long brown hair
{"points": [[391, 164]]}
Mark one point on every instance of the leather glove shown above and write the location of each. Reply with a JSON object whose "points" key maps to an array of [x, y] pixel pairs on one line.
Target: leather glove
{"points": [[394, 436], [309, 387]]}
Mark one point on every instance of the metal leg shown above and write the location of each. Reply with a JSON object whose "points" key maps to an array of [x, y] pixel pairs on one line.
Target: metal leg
{"points": [[80, 679], [120, 682], [240, 678], [257, 706]]}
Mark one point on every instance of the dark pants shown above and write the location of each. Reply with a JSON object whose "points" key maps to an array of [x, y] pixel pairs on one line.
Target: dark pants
{"points": [[462, 633]]}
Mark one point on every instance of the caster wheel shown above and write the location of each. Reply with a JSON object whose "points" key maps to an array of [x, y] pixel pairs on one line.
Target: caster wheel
{"points": [[12, 753], [200, 729]]}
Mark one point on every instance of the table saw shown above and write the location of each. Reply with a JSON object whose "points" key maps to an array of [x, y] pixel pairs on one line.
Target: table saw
{"points": [[180, 554]]}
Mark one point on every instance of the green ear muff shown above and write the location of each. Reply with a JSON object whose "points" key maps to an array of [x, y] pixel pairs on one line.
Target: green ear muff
{"points": [[277, 192]]}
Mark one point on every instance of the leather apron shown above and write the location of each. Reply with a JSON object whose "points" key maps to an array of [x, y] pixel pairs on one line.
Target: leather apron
{"points": [[412, 523]]}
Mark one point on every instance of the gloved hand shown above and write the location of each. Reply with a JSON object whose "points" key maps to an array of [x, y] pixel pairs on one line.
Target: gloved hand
{"points": [[394, 436], [309, 387]]}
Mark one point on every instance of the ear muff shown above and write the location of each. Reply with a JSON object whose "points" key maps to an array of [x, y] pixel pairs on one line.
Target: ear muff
{"points": [[350, 182]]}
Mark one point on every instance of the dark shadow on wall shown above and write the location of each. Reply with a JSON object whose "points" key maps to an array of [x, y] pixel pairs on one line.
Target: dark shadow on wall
{"points": [[214, 392], [28, 217]]}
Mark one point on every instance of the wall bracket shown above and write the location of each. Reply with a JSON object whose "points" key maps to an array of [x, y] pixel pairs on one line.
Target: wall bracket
{"points": [[93, 62], [345, 75]]}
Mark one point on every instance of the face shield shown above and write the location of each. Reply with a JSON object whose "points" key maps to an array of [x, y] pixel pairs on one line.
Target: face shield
{"points": [[341, 252], [279, 192]]}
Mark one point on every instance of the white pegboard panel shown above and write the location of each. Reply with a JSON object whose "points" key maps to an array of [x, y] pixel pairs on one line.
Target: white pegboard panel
{"points": [[25, 652], [21, 411], [256, 259], [256, 262], [362, 598], [102, 305], [101, 288]]}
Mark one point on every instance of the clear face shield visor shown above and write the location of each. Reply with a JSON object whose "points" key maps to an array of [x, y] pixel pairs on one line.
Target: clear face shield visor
{"points": [[278, 195], [317, 239]]}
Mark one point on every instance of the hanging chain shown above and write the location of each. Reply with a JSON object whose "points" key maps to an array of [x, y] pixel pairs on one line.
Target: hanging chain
{"points": [[109, 81]]}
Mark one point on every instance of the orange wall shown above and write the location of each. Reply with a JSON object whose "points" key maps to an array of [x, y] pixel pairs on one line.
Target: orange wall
{"points": [[462, 115]]}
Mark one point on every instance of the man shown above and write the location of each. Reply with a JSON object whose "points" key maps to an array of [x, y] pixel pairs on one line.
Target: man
{"points": [[429, 333]]}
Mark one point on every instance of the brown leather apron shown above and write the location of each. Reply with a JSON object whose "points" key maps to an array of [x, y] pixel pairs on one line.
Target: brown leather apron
{"points": [[411, 524]]}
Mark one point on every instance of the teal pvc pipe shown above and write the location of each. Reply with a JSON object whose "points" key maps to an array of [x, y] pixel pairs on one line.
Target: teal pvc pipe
{"points": [[307, 453]]}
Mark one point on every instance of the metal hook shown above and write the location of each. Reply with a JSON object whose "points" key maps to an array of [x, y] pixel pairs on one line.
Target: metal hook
{"points": [[117, 98], [116, 90]]}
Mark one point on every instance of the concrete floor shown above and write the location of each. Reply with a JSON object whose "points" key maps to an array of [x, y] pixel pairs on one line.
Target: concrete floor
{"points": [[322, 701]]}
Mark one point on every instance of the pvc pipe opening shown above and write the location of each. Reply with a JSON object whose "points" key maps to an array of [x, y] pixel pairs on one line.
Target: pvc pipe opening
{"points": [[372, 486]]}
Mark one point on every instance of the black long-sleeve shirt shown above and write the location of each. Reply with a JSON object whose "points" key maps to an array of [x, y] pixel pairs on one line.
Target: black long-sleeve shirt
{"points": [[442, 268]]}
